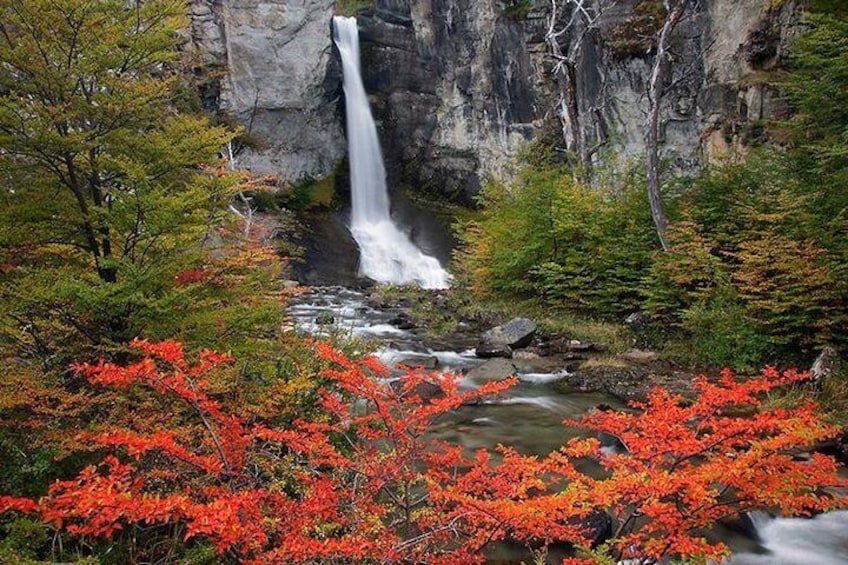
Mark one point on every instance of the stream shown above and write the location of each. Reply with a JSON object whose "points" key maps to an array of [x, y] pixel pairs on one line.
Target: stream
{"points": [[529, 418]]}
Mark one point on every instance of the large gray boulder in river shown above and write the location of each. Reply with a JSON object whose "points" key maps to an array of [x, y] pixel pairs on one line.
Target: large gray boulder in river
{"points": [[516, 333]]}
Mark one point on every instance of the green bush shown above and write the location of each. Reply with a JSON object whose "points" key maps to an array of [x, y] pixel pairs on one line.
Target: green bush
{"points": [[721, 333], [351, 7], [547, 234]]}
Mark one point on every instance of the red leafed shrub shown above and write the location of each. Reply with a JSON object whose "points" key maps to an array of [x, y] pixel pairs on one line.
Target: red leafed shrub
{"points": [[364, 483], [190, 276]]}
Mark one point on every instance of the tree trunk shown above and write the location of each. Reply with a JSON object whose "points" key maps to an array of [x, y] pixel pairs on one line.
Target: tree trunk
{"points": [[652, 131]]}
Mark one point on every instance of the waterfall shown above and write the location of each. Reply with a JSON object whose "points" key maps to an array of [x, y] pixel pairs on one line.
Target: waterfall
{"points": [[387, 255]]}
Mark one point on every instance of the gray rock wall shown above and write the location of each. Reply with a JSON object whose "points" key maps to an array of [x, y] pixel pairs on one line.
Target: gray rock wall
{"points": [[455, 90], [460, 87], [281, 80]]}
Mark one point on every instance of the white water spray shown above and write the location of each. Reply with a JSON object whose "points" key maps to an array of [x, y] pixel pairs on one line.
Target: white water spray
{"points": [[387, 255], [822, 540]]}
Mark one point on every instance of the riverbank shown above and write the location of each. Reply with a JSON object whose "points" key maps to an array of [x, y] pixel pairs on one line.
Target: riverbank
{"points": [[593, 357]]}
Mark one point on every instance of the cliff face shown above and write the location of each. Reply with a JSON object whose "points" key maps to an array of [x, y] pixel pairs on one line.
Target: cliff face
{"points": [[460, 87], [454, 89], [281, 81]]}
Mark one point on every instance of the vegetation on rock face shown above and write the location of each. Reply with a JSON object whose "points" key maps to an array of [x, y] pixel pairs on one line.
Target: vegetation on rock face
{"points": [[518, 9], [351, 7]]}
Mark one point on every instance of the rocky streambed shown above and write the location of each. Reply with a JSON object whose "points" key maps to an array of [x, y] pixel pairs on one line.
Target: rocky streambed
{"points": [[529, 417]]}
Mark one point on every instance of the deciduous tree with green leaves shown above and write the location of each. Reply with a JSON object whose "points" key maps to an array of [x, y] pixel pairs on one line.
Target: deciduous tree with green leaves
{"points": [[109, 188]]}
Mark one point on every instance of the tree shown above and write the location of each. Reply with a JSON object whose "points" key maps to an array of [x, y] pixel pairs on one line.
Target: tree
{"points": [[582, 21], [675, 10], [362, 481], [109, 188]]}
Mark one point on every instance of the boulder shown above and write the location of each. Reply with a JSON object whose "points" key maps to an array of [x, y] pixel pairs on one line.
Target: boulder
{"points": [[638, 321], [424, 362], [639, 356], [825, 364], [527, 354], [492, 350], [403, 321], [426, 390], [378, 300], [573, 347], [492, 370], [516, 333], [325, 319], [540, 364]]}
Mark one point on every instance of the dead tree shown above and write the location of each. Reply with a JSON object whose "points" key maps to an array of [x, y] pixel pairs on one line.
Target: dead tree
{"points": [[582, 21], [675, 10]]}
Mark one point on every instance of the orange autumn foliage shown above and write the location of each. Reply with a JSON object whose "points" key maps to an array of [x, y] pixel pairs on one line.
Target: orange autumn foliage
{"points": [[363, 481]]}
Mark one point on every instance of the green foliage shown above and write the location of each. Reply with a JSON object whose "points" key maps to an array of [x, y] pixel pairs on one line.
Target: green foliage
{"points": [[546, 233], [111, 193], [636, 35], [514, 233], [113, 219], [752, 246], [351, 7], [722, 334], [755, 267], [687, 272], [312, 193], [816, 86], [518, 9]]}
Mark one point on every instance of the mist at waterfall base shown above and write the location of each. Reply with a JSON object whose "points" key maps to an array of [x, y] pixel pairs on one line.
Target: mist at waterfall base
{"points": [[387, 255]]}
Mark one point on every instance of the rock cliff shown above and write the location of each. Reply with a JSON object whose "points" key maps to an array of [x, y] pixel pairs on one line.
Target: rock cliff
{"points": [[460, 87], [281, 80]]}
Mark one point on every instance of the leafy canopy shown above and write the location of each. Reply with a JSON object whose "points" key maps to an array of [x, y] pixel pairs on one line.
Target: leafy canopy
{"points": [[362, 481]]}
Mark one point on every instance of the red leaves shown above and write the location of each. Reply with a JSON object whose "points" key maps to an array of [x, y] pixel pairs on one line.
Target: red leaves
{"points": [[691, 464], [190, 276], [23, 505], [363, 482]]}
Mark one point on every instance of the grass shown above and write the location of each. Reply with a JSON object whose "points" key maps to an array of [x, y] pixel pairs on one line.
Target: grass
{"points": [[556, 321], [831, 394], [604, 361], [834, 397], [351, 7]]}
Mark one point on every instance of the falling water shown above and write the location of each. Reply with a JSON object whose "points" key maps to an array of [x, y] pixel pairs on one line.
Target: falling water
{"points": [[797, 541], [387, 254]]}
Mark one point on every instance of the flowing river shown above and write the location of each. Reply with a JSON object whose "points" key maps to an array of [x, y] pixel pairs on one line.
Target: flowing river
{"points": [[529, 418]]}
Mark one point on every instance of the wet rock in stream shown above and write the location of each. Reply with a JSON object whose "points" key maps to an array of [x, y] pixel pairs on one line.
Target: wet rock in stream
{"points": [[427, 391], [428, 362], [325, 319], [492, 370], [516, 333], [403, 321], [493, 350]]}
